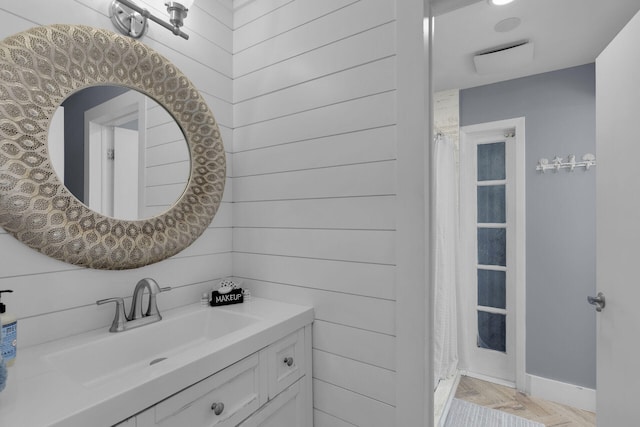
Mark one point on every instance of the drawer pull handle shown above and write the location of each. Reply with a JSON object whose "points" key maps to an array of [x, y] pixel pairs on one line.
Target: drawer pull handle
{"points": [[217, 407], [288, 361]]}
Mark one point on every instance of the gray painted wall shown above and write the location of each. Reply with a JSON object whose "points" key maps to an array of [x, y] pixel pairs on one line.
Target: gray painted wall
{"points": [[559, 108]]}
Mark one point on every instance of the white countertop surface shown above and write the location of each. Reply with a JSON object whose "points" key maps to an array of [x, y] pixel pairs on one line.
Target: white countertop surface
{"points": [[38, 394]]}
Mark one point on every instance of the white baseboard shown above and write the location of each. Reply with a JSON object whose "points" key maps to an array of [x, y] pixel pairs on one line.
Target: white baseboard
{"points": [[559, 392], [487, 378], [442, 398]]}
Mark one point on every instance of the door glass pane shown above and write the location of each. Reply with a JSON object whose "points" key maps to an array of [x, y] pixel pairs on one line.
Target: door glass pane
{"points": [[492, 331], [491, 204], [492, 288], [492, 246], [491, 165]]}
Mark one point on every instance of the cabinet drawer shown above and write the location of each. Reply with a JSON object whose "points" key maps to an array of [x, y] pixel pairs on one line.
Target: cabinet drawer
{"points": [[286, 362], [221, 400]]}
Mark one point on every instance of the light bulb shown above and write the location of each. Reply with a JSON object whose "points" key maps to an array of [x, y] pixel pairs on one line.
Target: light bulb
{"points": [[499, 2]]}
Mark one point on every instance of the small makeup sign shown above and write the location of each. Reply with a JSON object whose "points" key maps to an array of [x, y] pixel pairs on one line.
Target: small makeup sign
{"points": [[228, 293]]}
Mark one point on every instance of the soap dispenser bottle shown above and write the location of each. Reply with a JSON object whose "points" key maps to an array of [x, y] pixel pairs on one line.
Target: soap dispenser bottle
{"points": [[9, 334]]}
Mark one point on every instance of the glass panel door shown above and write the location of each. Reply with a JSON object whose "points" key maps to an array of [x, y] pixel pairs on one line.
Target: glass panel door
{"points": [[492, 246]]}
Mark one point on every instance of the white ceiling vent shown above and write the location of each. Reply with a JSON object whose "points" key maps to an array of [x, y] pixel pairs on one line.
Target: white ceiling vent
{"points": [[504, 58]]}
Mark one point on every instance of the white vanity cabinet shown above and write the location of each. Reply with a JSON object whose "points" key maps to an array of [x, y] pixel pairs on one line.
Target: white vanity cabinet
{"points": [[240, 365], [267, 388]]}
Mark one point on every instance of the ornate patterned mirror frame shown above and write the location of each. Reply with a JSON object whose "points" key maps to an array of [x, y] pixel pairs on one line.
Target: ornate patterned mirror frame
{"points": [[41, 67]]}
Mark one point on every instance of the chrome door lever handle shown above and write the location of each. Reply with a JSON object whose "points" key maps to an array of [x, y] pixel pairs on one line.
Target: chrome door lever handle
{"points": [[598, 301]]}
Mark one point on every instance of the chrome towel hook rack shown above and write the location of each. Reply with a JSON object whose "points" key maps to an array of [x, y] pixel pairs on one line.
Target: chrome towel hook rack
{"points": [[557, 163]]}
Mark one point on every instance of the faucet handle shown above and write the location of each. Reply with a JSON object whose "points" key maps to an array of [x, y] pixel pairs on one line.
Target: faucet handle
{"points": [[117, 300], [165, 289], [119, 319]]}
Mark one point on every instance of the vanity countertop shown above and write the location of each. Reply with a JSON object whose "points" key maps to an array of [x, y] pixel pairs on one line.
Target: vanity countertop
{"points": [[39, 394]]}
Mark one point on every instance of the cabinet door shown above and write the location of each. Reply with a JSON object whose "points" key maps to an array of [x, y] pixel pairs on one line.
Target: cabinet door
{"points": [[286, 362], [286, 410]]}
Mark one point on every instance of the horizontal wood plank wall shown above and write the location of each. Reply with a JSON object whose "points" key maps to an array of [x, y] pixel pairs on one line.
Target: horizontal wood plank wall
{"points": [[314, 186], [53, 299]]}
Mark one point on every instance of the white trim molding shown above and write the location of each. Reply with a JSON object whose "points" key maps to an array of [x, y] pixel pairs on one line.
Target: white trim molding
{"points": [[563, 393], [442, 398], [488, 378], [414, 383]]}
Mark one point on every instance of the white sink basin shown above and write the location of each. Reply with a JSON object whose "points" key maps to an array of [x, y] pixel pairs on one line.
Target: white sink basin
{"points": [[97, 375], [111, 355]]}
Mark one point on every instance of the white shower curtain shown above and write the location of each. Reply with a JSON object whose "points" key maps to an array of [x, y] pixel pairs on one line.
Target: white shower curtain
{"points": [[446, 255]]}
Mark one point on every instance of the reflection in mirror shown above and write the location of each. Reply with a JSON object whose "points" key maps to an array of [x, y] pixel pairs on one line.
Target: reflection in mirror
{"points": [[120, 152]]}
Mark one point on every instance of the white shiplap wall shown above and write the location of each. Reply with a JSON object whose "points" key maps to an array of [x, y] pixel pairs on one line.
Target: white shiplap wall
{"points": [[53, 299], [315, 187], [305, 93]]}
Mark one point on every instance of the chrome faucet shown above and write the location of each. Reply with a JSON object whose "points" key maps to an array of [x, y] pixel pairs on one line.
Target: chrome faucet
{"points": [[137, 317]]}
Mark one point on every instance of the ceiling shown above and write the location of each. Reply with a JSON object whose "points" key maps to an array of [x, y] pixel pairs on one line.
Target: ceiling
{"points": [[565, 33]]}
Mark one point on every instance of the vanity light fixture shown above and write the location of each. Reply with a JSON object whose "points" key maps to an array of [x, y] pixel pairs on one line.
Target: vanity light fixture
{"points": [[499, 2], [131, 19]]}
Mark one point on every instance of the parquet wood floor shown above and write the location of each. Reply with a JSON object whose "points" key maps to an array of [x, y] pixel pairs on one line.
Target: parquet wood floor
{"points": [[512, 401]]}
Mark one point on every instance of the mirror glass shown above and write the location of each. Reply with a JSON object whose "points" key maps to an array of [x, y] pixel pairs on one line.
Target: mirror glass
{"points": [[119, 152]]}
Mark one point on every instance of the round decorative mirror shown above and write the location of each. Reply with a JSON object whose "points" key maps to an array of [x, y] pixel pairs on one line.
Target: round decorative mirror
{"points": [[44, 66]]}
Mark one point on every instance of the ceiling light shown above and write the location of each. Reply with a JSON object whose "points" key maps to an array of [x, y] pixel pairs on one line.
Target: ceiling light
{"points": [[499, 2]]}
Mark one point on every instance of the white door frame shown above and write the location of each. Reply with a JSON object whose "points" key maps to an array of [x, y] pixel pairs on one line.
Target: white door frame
{"points": [[473, 133], [98, 139]]}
